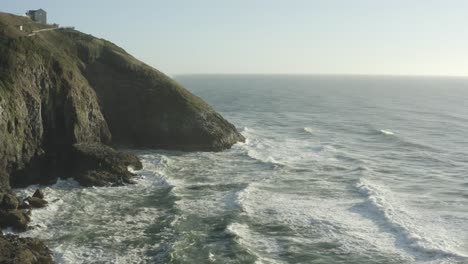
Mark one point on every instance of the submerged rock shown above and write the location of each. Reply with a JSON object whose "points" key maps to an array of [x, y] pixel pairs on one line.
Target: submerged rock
{"points": [[16, 250]]}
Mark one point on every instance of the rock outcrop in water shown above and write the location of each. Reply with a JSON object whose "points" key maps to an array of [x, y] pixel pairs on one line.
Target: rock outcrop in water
{"points": [[15, 213], [66, 96], [99, 165], [18, 250]]}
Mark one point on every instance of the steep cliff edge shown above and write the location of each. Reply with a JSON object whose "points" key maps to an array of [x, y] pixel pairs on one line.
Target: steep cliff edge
{"points": [[60, 88], [153, 110], [65, 98]]}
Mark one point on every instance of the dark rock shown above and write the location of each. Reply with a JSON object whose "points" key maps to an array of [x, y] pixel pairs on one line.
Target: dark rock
{"points": [[36, 202], [16, 219], [39, 194], [9, 201], [103, 178], [95, 155], [84, 91], [4, 177], [24, 205], [130, 160], [100, 165], [160, 113], [16, 250]]}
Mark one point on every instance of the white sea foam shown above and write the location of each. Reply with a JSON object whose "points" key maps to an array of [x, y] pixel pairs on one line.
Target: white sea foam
{"points": [[426, 240], [211, 257], [309, 130], [262, 247], [244, 129], [316, 220], [285, 152], [82, 225], [260, 150], [285, 194], [75, 254], [387, 132]]}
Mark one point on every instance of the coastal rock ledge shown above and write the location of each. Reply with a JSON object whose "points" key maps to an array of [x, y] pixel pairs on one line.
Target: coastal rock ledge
{"points": [[66, 97]]}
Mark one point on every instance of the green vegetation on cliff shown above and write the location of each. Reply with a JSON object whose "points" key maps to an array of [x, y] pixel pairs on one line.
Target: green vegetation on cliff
{"points": [[64, 97], [62, 87]]}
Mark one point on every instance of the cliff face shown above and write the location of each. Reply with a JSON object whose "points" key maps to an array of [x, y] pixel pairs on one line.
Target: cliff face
{"points": [[153, 110], [45, 106], [60, 88]]}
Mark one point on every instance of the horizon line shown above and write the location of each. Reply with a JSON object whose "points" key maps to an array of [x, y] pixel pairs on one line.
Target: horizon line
{"points": [[326, 74]]}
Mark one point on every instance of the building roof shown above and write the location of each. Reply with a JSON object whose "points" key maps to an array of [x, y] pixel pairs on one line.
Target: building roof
{"points": [[34, 11]]}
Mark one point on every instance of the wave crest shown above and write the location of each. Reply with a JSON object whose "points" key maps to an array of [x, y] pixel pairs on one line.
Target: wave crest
{"points": [[386, 132], [406, 229], [309, 130]]}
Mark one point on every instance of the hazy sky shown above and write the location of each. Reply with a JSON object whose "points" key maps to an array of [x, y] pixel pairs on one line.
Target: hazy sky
{"points": [[410, 37]]}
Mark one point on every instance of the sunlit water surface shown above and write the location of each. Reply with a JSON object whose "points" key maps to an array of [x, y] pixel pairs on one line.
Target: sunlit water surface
{"points": [[334, 170]]}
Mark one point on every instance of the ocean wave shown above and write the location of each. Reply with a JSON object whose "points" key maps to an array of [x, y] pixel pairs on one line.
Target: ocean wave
{"points": [[407, 230], [244, 129], [314, 219], [264, 158], [260, 246], [386, 132], [309, 130], [218, 186], [403, 142], [82, 225], [360, 169], [260, 150], [459, 120], [289, 152]]}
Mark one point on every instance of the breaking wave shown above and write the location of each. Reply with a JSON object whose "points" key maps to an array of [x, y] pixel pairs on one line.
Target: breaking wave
{"points": [[425, 243], [387, 132], [309, 130]]}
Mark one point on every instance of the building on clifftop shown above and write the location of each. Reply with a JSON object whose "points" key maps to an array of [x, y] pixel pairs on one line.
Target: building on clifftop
{"points": [[39, 15]]}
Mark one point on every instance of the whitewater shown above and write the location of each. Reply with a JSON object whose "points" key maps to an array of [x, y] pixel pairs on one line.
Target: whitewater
{"points": [[335, 169]]}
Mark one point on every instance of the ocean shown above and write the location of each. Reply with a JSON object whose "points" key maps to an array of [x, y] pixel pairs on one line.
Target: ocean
{"points": [[335, 169]]}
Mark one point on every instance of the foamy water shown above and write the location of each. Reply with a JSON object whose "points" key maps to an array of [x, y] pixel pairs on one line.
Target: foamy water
{"points": [[387, 132], [334, 170]]}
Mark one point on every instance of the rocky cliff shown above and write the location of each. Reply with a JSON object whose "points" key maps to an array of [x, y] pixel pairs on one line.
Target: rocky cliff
{"points": [[61, 88], [65, 99]]}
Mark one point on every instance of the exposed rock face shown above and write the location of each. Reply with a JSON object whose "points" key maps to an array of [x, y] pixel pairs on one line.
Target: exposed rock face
{"points": [[61, 88], [45, 106], [16, 219], [17, 250], [100, 165], [10, 215], [9, 201], [153, 111], [17, 216], [14, 213]]}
